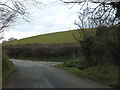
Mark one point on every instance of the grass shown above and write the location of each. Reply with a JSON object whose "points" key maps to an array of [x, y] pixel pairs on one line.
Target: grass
{"points": [[107, 74], [7, 69], [51, 38]]}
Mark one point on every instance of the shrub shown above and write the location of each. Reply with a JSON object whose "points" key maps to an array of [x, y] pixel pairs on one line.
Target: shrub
{"points": [[70, 63], [40, 51]]}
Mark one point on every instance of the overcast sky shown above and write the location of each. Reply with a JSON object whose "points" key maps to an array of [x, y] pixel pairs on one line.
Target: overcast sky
{"points": [[54, 17]]}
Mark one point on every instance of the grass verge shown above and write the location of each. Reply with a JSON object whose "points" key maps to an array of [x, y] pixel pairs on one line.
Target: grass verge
{"points": [[106, 74], [7, 69]]}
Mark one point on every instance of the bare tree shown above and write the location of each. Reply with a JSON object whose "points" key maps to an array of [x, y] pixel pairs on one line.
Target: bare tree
{"points": [[9, 10], [85, 39], [12, 9], [104, 16], [105, 12]]}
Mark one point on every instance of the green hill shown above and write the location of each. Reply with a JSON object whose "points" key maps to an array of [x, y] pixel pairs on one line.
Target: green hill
{"points": [[51, 38]]}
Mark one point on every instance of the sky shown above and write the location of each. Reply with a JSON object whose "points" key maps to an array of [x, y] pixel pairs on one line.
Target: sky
{"points": [[53, 17]]}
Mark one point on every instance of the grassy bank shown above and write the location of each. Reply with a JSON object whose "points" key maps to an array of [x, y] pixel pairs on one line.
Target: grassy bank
{"points": [[107, 74], [7, 69]]}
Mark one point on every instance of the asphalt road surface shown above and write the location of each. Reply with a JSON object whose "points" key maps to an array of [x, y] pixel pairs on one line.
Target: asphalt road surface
{"points": [[38, 74]]}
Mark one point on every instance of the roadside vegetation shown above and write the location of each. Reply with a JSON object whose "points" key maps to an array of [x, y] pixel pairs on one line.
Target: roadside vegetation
{"points": [[98, 58], [104, 74], [44, 52], [7, 69]]}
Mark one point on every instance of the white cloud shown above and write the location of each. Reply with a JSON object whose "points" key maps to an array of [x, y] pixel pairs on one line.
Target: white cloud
{"points": [[51, 18], [18, 34]]}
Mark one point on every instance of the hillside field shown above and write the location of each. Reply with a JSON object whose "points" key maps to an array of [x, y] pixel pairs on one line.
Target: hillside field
{"points": [[51, 38]]}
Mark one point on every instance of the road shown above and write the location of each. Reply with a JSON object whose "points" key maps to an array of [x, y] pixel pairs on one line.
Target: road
{"points": [[38, 74]]}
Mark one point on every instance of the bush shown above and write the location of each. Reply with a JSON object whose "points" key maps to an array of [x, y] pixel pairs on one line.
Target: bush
{"points": [[40, 51], [70, 63], [103, 48]]}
